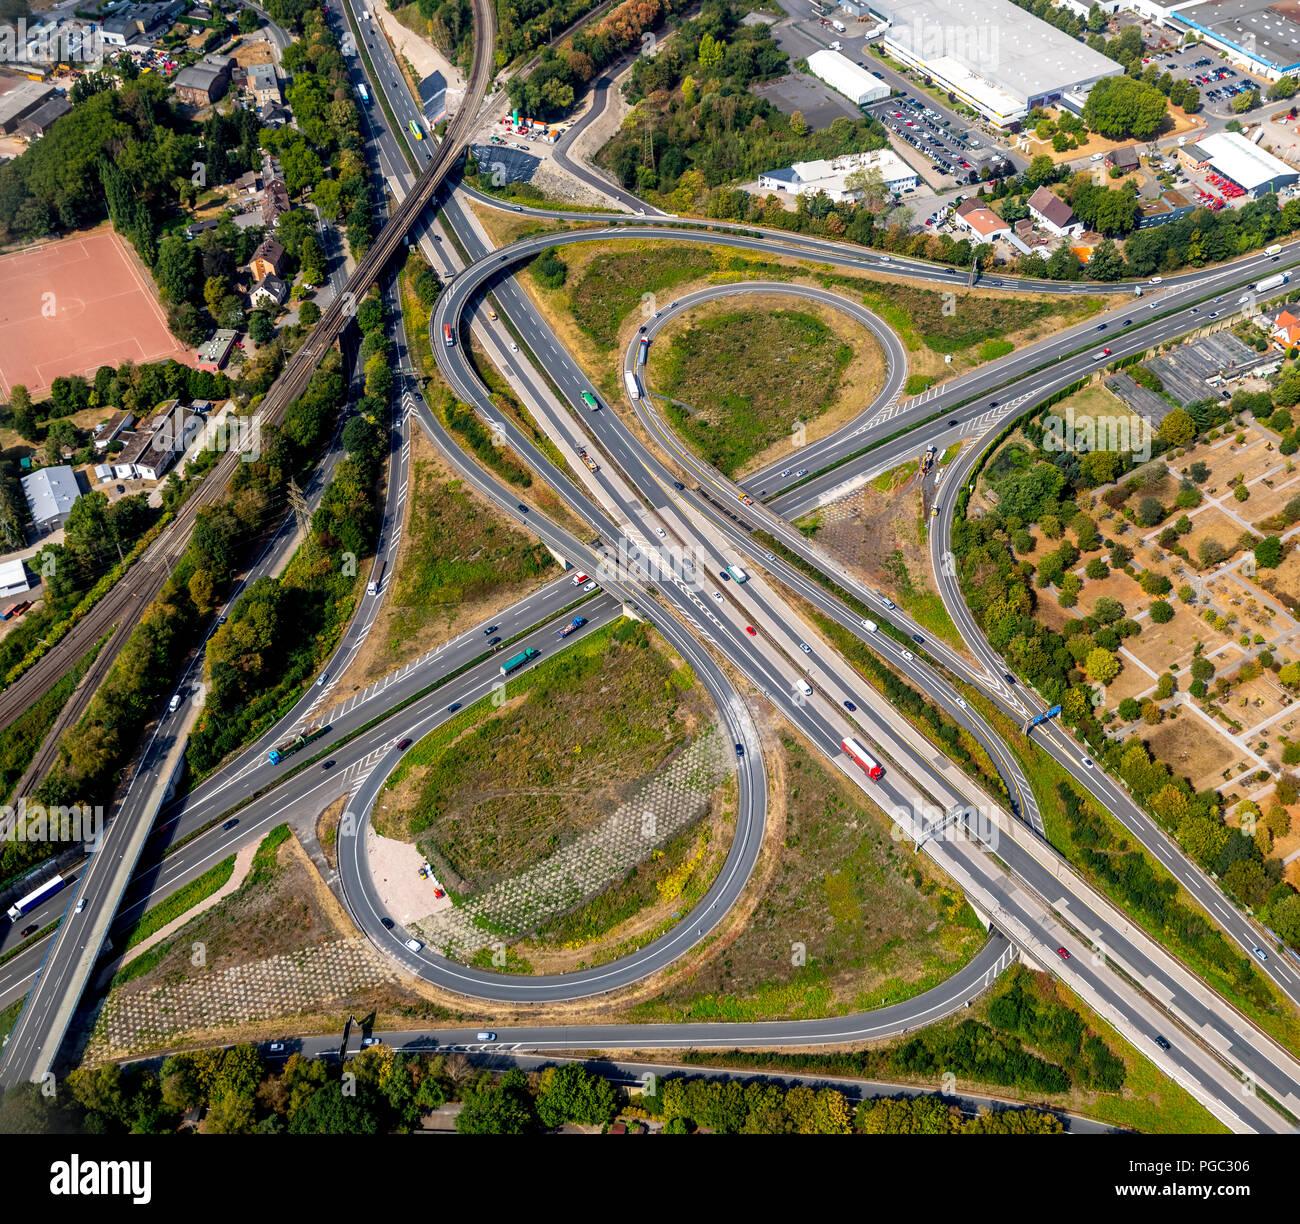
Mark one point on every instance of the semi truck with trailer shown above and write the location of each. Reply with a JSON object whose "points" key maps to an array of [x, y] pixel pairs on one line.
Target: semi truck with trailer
{"points": [[277, 754], [874, 770], [572, 627]]}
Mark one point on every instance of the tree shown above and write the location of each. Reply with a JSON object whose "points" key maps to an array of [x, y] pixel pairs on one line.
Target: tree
{"points": [[309, 314], [1161, 612], [1191, 100], [1283, 87], [312, 258], [260, 329], [1119, 107], [1268, 553], [1178, 428], [571, 1093], [248, 21], [1246, 101], [1101, 665], [503, 1108], [1150, 512]]}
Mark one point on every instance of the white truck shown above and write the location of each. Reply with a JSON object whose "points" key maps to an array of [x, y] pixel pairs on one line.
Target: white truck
{"points": [[839, 27], [633, 387], [1276, 281]]}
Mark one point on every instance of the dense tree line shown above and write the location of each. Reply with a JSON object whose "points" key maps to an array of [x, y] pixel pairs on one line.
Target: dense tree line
{"points": [[277, 631], [55, 184], [563, 72]]}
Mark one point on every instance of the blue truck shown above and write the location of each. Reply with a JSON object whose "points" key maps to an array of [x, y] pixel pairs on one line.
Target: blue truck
{"points": [[576, 624]]}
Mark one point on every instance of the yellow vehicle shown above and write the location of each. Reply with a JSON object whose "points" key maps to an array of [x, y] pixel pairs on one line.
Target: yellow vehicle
{"points": [[415, 130]]}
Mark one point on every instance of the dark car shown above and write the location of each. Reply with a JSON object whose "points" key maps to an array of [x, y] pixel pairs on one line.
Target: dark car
{"points": [[953, 424], [1162, 1042], [231, 823], [28, 930], [1128, 322], [1008, 677], [1101, 326], [726, 577], [386, 923], [677, 484], [740, 750], [455, 705], [490, 630], [327, 764], [522, 508], [993, 403], [496, 641], [916, 637], [404, 744], [848, 705]]}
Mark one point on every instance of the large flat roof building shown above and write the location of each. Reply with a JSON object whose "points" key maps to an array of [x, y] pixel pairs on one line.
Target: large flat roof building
{"points": [[1254, 170], [1263, 35], [829, 176], [994, 56], [846, 77]]}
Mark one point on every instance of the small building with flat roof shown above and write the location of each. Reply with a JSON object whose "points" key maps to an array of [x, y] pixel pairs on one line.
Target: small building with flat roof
{"points": [[14, 579]]}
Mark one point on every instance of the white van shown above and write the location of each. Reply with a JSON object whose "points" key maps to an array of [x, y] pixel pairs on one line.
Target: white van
{"points": [[175, 703], [1275, 249], [806, 687], [869, 625]]}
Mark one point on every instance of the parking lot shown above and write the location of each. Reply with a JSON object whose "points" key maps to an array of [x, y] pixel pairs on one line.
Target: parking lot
{"points": [[1216, 79], [947, 149]]}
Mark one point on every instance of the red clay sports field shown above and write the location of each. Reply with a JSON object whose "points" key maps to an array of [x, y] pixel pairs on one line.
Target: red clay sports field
{"points": [[75, 305]]}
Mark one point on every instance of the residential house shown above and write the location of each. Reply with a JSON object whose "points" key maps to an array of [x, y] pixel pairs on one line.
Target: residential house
{"points": [[1054, 214], [268, 260], [983, 223], [263, 84], [1285, 327], [275, 202], [1125, 159], [269, 292]]}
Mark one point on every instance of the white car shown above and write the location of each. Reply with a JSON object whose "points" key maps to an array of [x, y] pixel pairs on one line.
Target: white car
{"points": [[485, 1037], [591, 586], [660, 532], [805, 648], [961, 701], [1086, 762], [718, 596], [414, 944], [907, 654]]}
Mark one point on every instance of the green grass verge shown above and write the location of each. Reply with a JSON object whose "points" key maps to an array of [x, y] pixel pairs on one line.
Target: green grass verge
{"points": [[182, 900]]}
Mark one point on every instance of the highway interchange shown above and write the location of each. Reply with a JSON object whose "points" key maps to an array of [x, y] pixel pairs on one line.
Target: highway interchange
{"points": [[647, 519]]}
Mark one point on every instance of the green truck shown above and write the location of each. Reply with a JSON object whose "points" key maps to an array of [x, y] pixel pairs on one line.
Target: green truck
{"points": [[524, 656], [276, 755]]}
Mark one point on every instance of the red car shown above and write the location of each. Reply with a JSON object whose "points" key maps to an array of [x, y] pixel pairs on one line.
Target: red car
{"points": [[404, 744], [1062, 953], [751, 631]]}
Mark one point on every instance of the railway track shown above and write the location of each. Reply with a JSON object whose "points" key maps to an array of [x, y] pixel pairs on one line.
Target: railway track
{"points": [[121, 608]]}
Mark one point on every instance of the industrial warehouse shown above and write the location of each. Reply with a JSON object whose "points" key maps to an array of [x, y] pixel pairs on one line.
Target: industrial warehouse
{"points": [[996, 57], [1234, 158]]}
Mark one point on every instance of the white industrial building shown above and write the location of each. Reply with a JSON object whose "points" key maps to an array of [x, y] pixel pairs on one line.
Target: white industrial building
{"points": [[50, 494], [994, 56], [826, 175], [846, 77], [13, 579], [1254, 170]]}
